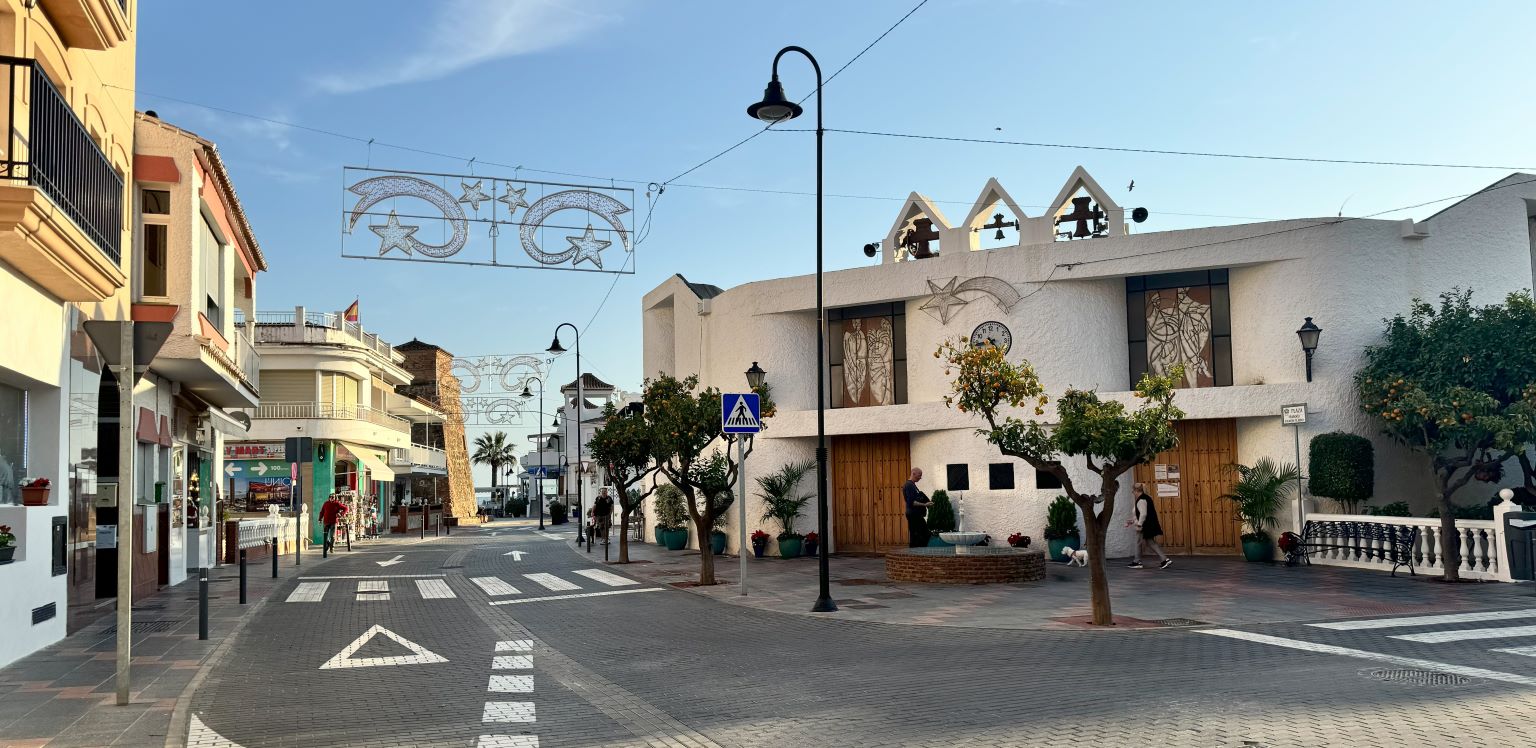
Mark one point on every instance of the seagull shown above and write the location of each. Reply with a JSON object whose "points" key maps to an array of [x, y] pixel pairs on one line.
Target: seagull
{"points": [[1131, 186]]}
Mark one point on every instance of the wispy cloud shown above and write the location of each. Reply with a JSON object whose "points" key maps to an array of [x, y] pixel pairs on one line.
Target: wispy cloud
{"points": [[465, 33]]}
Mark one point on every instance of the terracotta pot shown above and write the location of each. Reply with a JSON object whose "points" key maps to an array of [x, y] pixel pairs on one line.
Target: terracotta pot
{"points": [[34, 496]]}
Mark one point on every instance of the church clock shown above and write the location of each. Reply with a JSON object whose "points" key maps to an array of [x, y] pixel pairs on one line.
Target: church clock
{"points": [[994, 333]]}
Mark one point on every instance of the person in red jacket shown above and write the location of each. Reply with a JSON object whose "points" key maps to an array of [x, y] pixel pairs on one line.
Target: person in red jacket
{"points": [[331, 512]]}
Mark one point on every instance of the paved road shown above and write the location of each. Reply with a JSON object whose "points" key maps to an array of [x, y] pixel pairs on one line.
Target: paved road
{"points": [[479, 646]]}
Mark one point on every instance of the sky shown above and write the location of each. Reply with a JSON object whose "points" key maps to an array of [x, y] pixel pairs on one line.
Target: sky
{"points": [[639, 92]]}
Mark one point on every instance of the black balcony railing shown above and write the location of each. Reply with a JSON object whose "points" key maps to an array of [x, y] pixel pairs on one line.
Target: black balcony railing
{"points": [[57, 156]]}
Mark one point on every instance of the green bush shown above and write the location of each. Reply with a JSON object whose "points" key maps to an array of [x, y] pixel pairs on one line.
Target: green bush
{"points": [[1465, 511], [558, 512], [517, 507], [941, 516], [670, 512], [1342, 467], [1060, 519], [1394, 509]]}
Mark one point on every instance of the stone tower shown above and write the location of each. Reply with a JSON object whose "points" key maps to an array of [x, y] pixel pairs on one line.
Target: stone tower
{"points": [[432, 380]]}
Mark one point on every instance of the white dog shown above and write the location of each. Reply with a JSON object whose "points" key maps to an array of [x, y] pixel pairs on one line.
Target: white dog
{"points": [[1075, 557]]}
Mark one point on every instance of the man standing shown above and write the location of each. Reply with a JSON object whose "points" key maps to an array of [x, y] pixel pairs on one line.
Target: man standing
{"points": [[331, 512], [917, 510], [1147, 527]]}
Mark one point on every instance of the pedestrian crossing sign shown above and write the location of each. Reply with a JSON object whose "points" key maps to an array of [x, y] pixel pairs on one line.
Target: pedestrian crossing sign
{"points": [[741, 413]]}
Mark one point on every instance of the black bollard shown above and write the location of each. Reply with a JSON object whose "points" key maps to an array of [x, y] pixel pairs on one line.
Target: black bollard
{"points": [[242, 576], [274, 558], [202, 603]]}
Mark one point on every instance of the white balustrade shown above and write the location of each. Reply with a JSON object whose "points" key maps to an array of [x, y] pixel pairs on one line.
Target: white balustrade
{"points": [[1481, 546]]}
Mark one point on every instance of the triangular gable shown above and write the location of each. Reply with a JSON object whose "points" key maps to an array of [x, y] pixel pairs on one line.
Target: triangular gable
{"points": [[916, 205], [991, 194], [1082, 180]]}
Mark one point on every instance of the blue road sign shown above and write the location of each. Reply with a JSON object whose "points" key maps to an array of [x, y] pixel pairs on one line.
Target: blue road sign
{"points": [[741, 413]]}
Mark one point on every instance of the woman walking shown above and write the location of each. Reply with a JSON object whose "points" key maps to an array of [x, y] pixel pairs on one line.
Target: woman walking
{"points": [[1147, 527]]}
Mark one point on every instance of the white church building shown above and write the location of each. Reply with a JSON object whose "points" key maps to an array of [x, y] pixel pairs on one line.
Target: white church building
{"points": [[1092, 305]]}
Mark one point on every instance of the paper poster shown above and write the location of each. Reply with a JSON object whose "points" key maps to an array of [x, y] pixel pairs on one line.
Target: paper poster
{"points": [[106, 536], [1173, 472], [1159, 472], [1167, 490]]}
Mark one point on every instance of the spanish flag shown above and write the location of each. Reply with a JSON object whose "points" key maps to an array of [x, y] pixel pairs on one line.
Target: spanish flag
{"points": [[351, 314]]}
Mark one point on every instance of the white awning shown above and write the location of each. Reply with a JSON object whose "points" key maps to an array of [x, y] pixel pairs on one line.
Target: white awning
{"points": [[371, 459], [227, 424]]}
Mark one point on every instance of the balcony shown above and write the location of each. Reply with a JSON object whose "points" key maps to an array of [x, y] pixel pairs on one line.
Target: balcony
{"points": [[357, 424], [419, 459], [317, 328], [223, 372], [89, 24], [61, 201]]}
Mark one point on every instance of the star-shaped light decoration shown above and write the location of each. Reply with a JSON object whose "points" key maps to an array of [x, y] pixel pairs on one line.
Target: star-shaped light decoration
{"points": [[588, 247], [393, 235], [943, 303], [473, 194], [514, 199]]}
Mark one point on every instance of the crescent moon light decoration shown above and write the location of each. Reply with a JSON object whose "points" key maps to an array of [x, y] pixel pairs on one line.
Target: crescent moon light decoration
{"points": [[584, 248], [375, 190]]}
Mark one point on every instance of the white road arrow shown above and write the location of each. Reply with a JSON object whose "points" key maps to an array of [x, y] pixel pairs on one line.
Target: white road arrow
{"points": [[259, 468], [516, 555], [230, 470], [391, 562]]}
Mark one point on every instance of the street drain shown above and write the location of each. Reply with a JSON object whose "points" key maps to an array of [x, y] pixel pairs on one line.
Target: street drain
{"points": [[1419, 677], [1180, 622], [145, 627]]}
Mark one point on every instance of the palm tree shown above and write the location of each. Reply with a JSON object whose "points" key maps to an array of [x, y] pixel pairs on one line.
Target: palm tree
{"points": [[493, 450]]}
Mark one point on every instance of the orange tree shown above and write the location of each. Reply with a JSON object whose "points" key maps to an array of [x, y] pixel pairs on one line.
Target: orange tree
{"points": [[685, 422], [1457, 384], [623, 447], [1110, 439]]}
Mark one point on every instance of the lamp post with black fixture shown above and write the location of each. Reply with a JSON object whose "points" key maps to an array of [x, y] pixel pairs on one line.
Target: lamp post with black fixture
{"points": [[1309, 333], [776, 108], [556, 348], [527, 395]]}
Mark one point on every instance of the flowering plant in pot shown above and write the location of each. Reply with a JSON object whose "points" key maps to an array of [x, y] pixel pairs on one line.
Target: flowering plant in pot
{"points": [[1019, 540], [7, 544], [35, 492], [759, 542], [811, 541]]}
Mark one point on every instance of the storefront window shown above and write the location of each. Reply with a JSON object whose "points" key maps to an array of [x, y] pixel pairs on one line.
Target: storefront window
{"points": [[13, 442]]}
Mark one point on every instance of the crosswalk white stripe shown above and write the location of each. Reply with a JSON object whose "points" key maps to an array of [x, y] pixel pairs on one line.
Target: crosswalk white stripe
{"points": [[494, 587], [510, 684], [552, 582], [608, 578], [373, 596], [512, 662], [507, 741], [377, 585], [575, 596], [1526, 651], [1440, 637], [508, 711], [1474, 672], [433, 589], [308, 592], [1388, 623], [516, 645]]}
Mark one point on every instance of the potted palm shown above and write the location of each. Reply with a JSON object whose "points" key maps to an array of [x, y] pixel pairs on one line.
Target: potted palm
{"points": [[1258, 495], [783, 502], [672, 517], [7, 544], [1061, 526]]}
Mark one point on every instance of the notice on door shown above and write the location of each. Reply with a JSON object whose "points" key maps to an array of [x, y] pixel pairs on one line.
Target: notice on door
{"points": [[1167, 490]]}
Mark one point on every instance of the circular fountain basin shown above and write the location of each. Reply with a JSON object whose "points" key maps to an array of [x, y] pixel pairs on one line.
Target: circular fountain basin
{"points": [[961, 538], [965, 565]]}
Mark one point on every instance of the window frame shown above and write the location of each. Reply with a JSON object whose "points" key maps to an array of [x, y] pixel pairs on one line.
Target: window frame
{"points": [[1218, 280], [896, 311], [141, 258]]}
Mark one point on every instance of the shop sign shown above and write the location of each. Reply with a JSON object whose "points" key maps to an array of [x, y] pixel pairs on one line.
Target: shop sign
{"points": [[254, 451]]}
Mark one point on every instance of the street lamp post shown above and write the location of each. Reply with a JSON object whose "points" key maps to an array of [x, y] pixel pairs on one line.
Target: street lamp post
{"points": [[556, 348], [540, 420], [1309, 333], [776, 108]]}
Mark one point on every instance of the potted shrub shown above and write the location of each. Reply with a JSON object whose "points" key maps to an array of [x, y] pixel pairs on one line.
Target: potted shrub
{"points": [[811, 542], [941, 517], [1259, 494], [35, 493], [717, 536], [517, 507], [1342, 467], [558, 512], [671, 518], [782, 503], [7, 544], [1061, 526], [1019, 540], [759, 543]]}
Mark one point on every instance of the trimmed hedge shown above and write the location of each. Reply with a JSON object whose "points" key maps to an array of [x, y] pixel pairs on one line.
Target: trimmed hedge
{"points": [[941, 516], [1342, 467]]}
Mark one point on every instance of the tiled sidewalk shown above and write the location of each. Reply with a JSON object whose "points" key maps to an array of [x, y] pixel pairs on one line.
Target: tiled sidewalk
{"points": [[1203, 589], [64, 696]]}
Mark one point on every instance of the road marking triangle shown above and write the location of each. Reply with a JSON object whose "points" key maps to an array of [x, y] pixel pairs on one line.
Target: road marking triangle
{"points": [[344, 658]]}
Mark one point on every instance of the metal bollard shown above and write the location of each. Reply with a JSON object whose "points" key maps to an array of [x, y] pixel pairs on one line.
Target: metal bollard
{"points": [[274, 558], [242, 576], [202, 603]]}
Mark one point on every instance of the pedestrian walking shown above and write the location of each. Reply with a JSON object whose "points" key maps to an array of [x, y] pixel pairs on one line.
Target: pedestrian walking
{"points": [[917, 510], [331, 512], [1144, 518]]}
